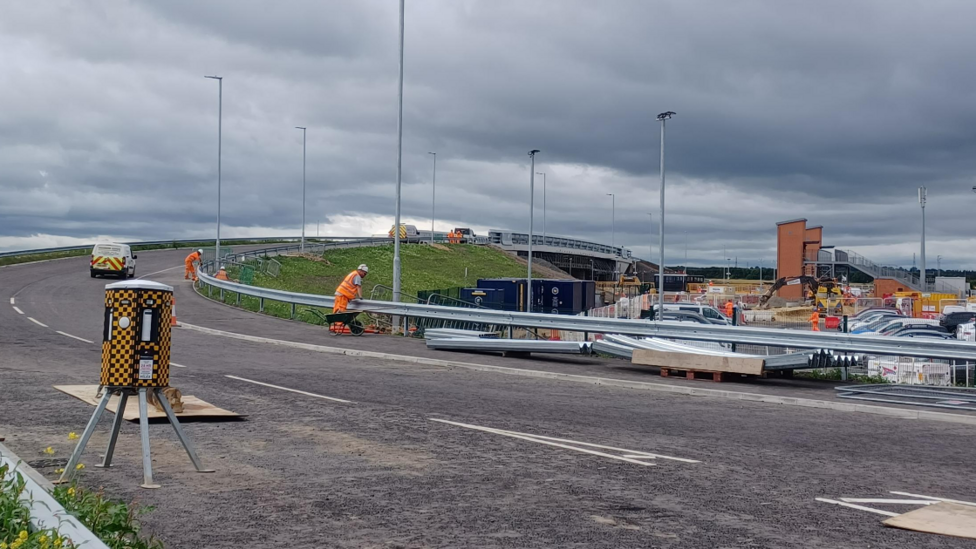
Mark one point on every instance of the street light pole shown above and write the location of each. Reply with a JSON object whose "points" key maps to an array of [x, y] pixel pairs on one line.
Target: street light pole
{"points": [[543, 174], [433, 191], [663, 117], [528, 290], [303, 185], [613, 219], [399, 174], [922, 195], [650, 246], [938, 262], [220, 132]]}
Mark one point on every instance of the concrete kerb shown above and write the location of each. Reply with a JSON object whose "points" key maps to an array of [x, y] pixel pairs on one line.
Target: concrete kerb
{"points": [[45, 511], [610, 382]]}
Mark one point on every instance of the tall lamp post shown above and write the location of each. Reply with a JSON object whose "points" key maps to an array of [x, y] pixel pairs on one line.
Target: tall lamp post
{"points": [[528, 290], [220, 131], [922, 195], [303, 185], [433, 196], [613, 218], [399, 174], [663, 117], [543, 174]]}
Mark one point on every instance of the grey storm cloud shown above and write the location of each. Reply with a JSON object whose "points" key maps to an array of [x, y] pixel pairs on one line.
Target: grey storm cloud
{"points": [[834, 111]]}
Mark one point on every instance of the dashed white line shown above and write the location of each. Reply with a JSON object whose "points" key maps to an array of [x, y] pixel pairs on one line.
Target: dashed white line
{"points": [[291, 390], [16, 308], [157, 272], [13, 301], [859, 507], [934, 498], [72, 336], [629, 456], [38, 322], [177, 365]]}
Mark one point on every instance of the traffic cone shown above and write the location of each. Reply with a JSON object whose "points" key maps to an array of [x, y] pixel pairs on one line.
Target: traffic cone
{"points": [[172, 318]]}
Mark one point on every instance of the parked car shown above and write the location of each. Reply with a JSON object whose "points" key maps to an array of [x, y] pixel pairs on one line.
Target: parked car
{"points": [[952, 320], [888, 324], [710, 313], [902, 323], [923, 332], [860, 322]]}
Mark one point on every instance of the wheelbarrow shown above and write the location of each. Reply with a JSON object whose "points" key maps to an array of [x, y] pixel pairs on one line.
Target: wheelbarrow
{"points": [[338, 320]]}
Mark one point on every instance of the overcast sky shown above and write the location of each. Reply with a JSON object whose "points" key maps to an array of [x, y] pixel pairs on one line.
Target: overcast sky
{"points": [[832, 110]]}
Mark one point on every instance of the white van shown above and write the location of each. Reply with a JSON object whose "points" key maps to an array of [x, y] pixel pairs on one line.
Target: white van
{"points": [[113, 259]]}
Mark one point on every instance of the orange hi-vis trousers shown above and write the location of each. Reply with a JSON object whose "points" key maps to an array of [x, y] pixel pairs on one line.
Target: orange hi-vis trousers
{"points": [[189, 271], [340, 305]]}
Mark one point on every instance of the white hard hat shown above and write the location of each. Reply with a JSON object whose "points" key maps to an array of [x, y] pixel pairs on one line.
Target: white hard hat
{"points": [[200, 250], [363, 268]]}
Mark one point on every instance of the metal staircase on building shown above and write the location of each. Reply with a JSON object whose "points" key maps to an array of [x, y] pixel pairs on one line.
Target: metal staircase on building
{"points": [[866, 266]]}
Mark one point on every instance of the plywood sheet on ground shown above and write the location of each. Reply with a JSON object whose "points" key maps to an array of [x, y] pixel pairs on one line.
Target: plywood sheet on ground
{"points": [[192, 406], [949, 519], [701, 363]]}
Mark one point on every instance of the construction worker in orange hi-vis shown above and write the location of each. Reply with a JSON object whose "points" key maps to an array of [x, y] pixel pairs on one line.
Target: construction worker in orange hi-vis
{"points": [[729, 308], [351, 288], [222, 274], [815, 321], [190, 272]]}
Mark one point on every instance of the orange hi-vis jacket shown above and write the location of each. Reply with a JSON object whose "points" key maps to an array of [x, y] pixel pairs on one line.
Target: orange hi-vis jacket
{"points": [[347, 289], [195, 256]]}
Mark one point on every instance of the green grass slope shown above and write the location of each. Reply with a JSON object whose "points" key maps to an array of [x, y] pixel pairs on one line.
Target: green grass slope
{"points": [[423, 268]]}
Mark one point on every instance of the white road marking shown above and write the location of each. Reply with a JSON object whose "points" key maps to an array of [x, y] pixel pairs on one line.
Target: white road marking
{"points": [[75, 337], [292, 390], [177, 365], [38, 322], [935, 498], [13, 301], [859, 507], [891, 501], [16, 308], [539, 439], [630, 453], [157, 272]]}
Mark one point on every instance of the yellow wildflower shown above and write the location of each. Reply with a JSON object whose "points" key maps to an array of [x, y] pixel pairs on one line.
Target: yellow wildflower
{"points": [[59, 471], [71, 491], [80, 466], [23, 534], [49, 450], [57, 543], [16, 543], [72, 436], [3, 545]]}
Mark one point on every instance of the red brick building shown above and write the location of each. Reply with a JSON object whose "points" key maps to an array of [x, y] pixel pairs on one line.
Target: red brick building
{"points": [[795, 242]]}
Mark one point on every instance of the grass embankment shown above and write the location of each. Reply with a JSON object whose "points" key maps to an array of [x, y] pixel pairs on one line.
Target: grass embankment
{"points": [[14, 260], [423, 268]]}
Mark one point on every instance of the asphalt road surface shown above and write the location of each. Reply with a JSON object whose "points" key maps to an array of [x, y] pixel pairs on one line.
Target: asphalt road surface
{"points": [[414, 455]]}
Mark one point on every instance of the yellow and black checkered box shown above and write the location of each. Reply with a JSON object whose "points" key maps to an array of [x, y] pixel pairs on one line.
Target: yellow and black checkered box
{"points": [[136, 337]]}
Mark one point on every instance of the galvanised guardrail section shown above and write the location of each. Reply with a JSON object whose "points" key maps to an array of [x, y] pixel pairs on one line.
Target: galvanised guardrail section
{"points": [[850, 343]]}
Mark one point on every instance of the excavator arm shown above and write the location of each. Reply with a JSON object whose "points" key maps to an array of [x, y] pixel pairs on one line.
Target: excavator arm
{"points": [[807, 281]]}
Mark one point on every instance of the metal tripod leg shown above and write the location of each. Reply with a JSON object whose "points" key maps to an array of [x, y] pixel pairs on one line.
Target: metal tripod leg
{"points": [[89, 429], [180, 434], [116, 427], [147, 480]]}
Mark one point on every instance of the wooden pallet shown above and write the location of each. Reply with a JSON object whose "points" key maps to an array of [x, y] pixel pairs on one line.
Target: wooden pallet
{"points": [[693, 374]]}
